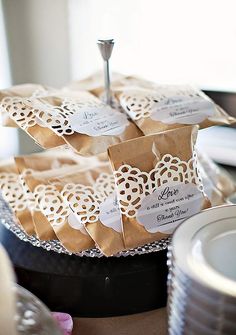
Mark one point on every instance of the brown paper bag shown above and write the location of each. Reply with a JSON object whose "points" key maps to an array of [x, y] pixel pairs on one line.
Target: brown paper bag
{"points": [[157, 183], [76, 118], [28, 164], [13, 193], [84, 122], [51, 190], [54, 209], [16, 102], [54, 159], [90, 194], [162, 108], [21, 91], [39, 162], [53, 162], [95, 83]]}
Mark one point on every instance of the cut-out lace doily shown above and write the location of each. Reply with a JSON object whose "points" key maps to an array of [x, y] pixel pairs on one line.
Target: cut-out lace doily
{"points": [[51, 204], [31, 201], [56, 117], [133, 185], [141, 103], [12, 191], [85, 200], [20, 111], [27, 112]]}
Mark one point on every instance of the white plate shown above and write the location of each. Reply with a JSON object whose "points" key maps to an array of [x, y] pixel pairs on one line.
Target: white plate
{"points": [[204, 248], [205, 314], [201, 297], [191, 326]]}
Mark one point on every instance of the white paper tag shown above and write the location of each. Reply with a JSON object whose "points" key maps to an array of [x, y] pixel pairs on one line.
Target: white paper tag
{"points": [[183, 110], [75, 224], [97, 121], [110, 214], [164, 209]]}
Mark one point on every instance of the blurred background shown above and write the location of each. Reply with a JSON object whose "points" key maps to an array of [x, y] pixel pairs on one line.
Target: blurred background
{"points": [[53, 42]]}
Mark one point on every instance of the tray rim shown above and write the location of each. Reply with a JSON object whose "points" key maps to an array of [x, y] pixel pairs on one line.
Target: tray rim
{"points": [[9, 221]]}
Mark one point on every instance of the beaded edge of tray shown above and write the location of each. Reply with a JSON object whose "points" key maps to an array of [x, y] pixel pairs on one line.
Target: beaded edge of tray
{"points": [[8, 220]]}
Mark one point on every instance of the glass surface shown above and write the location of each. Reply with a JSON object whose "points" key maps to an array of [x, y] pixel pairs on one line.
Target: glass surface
{"points": [[33, 317]]}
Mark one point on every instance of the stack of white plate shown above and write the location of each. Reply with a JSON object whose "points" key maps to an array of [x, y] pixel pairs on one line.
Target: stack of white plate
{"points": [[202, 274]]}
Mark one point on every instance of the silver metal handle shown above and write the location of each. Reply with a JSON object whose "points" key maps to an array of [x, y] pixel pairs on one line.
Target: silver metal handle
{"points": [[106, 47]]}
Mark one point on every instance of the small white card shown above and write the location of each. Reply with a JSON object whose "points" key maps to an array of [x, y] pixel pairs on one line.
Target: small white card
{"points": [[164, 209], [183, 110], [97, 121], [110, 215]]}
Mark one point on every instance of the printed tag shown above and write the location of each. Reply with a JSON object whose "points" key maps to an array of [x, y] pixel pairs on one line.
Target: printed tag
{"points": [[110, 214], [183, 110], [164, 209], [75, 224], [97, 121]]}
